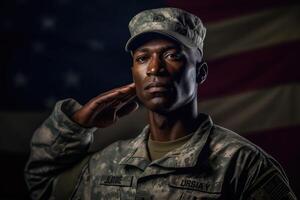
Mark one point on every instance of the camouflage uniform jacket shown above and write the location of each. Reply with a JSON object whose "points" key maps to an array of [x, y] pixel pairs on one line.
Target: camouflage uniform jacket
{"points": [[215, 163]]}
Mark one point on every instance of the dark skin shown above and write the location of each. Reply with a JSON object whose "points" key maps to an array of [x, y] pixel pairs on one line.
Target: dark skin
{"points": [[166, 77]]}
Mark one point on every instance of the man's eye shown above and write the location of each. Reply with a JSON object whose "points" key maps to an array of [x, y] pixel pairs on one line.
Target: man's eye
{"points": [[141, 59], [174, 56]]}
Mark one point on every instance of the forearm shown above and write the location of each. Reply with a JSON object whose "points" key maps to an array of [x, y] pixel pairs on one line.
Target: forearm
{"points": [[56, 145]]}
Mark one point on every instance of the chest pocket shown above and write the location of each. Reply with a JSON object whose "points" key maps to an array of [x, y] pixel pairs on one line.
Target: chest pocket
{"points": [[189, 187], [110, 187]]}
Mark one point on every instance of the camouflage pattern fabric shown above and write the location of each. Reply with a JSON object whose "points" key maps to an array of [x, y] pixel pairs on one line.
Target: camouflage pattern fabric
{"points": [[175, 23], [215, 163]]}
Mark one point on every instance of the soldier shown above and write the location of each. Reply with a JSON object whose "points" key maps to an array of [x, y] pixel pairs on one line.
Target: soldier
{"points": [[181, 154]]}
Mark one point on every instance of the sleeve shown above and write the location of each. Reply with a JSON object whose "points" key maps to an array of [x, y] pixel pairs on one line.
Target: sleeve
{"points": [[258, 176], [57, 145], [271, 182]]}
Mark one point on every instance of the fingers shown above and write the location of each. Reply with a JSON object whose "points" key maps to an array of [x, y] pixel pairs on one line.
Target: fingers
{"points": [[113, 99], [131, 85], [127, 109], [124, 92], [125, 87], [109, 115]]}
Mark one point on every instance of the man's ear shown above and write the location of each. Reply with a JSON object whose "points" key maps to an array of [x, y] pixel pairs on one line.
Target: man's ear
{"points": [[202, 71]]}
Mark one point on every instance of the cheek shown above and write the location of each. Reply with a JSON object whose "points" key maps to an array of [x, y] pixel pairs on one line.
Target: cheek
{"points": [[138, 77], [188, 82], [176, 69]]}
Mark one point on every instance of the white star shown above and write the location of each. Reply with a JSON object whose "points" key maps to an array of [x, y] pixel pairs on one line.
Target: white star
{"points": [[71, 79], [50, 101], [20, 80], [48, 23], [95, 45]]}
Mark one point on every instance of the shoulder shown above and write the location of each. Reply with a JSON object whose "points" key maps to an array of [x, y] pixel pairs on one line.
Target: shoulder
{"points": [[238, 151], [240, 157], [249, 169], [230, 143]]}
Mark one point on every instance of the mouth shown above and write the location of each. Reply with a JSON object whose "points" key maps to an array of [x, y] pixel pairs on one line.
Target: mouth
{"points": [[157, 89], [156, 85]]}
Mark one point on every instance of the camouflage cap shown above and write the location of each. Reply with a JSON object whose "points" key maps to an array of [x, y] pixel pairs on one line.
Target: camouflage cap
{"points": [[174, 23]]}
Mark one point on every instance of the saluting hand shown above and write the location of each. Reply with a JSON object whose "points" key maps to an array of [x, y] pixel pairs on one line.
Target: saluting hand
{"points": [[106, 108]]}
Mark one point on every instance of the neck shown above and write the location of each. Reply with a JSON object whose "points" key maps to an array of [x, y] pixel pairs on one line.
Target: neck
{"points": [[173, 125]]}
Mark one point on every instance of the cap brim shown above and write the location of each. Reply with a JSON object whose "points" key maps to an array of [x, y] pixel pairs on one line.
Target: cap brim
{"points": [[137, 40]]}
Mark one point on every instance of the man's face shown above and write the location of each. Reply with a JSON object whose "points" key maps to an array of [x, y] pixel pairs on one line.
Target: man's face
{"points": [[164, 73]]}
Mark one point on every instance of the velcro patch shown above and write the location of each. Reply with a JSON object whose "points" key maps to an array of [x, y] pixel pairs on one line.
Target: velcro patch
{"points": [[275, 188], [123, 181], [193, 183]]}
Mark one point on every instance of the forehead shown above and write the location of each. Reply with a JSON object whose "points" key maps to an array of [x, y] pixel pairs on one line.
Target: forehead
{"points": [[159, 43]]}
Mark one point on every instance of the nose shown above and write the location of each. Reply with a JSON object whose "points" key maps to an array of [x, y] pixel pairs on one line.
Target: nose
{"points": [[156, 66]]}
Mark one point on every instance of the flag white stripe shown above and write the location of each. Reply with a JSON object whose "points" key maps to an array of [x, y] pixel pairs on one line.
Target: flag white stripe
{"points": [[243, 33], [256, 110]]}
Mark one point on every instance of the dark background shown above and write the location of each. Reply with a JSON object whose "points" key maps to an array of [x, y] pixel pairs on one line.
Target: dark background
{"points": [[50, 50]]}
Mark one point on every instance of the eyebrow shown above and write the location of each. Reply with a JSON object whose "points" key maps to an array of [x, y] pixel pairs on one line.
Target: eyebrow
{"points": [[166, 48]]}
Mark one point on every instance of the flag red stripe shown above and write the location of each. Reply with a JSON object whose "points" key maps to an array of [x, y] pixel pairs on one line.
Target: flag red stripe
{"points": [[260, 68], [282, 143], [217, 10]]}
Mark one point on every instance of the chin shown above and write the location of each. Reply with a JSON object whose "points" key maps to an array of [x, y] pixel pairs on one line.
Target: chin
{"points": [[159, 105]]}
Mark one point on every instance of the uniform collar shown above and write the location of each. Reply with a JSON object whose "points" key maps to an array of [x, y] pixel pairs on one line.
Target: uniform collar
{"points": [[138, 152], [185, 156]]}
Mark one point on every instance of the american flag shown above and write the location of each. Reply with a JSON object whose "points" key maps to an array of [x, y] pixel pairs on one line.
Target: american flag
{"points": [[58, 49]]}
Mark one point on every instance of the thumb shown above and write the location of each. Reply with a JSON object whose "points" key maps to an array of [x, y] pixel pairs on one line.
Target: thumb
{"points": [[127, 109]]}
